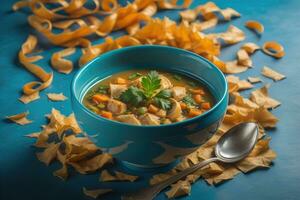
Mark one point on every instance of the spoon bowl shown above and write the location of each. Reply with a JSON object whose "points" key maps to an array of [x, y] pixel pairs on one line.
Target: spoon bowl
{"points": [[237, 143]]}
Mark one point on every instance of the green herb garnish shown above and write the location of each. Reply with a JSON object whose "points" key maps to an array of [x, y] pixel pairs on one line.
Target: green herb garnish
{"points": [[177, 77], [163, 103], [134, 76], [148, 93], [102, 89], [90, 94], [162, 99], [150, 83], [189, 101], [133, 96], [141, 110], [164, 94], [192, 83], [101, 105]]}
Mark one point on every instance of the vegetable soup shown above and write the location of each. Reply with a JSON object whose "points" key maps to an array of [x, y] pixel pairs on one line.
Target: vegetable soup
{"points": [[142, 97]]}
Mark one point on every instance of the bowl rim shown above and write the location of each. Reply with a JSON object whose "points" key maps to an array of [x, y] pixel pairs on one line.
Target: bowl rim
{"points": [[117, 51]]}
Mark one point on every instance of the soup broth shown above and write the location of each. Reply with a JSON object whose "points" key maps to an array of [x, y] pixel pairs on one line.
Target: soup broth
{"points": [[144, 97]]}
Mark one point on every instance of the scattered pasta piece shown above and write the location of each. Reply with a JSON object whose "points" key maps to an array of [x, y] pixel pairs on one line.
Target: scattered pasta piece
{"points": [[32, 89], [235, 84], [20, 119], [261, 98], [232, 67], [233, 35], [255, 25], [254, 79], [229, 13], [209, 11], [250, 47], [274, 49], [56, 97], [118, 176], [243, 58], [33, 135], [49, 154], [96, 192], [62, 172], [270, 73], [61, 64], [179, 189], [260, 157], [29, 98], [164, 4]]}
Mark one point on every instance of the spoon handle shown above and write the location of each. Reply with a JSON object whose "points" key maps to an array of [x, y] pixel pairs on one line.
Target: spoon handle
{"points": [[150, 192]]}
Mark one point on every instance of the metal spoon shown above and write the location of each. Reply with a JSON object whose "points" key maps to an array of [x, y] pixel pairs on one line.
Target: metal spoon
{"points": [[233, 146]]}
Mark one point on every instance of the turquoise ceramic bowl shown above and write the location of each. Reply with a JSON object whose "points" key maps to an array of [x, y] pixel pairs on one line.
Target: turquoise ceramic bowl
{"points": [[150, 146]]}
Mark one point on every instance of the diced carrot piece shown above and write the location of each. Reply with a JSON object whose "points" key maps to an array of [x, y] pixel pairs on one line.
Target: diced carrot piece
{"points": [[183, 105], [100, 98], [198, 98], [152, 109], [106, 114], [120, 80], [206, 105], [197, 91], [194, 112]]}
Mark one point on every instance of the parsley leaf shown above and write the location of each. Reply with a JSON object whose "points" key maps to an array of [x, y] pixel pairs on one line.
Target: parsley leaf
{"points": [[134, 76], [163, 103], [133, 96], [150, 83], [188, 100], [103, 89], [164, 94], [162, 99]]}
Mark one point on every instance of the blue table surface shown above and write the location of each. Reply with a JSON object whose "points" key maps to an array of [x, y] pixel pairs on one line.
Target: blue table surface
{"points": [[22, 176]]}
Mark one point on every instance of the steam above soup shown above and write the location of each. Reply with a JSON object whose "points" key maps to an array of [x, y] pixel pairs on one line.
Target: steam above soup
{"points": [[143, 97]]}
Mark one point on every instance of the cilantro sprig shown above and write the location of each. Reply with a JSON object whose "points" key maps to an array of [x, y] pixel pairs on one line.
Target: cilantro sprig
{"points": [[133, 96], [188, 100], [162, 99], [150, 84], [148, 93]]}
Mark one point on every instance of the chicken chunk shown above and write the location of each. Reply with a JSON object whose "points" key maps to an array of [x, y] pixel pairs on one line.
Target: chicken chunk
{"points": [[116, 90], [166, 121], [175, 111], [180, 118], [165, 83], [130, 119], [161, 113], [116, 107], [149, 119], [178, 92]]}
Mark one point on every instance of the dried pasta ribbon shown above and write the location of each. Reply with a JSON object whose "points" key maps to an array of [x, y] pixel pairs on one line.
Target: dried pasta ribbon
{"points": [[173, 4], [109, 44], [61, 64], [45, 27], [255, 25], [20, 118], [26, 61], [73, 8], [273, 49], [109, 5], [20, 4]]}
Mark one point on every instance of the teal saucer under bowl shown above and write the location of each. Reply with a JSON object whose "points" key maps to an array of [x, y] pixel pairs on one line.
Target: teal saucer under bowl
{"points": [[150, 146]]}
